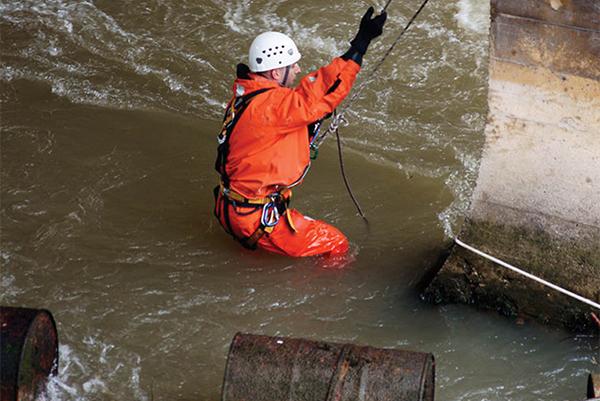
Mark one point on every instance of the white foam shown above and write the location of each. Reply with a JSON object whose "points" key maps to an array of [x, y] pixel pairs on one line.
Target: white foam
{"points": [[243, 21], [54, 50], [7, 282], [8, 73], [234, 18], [474, 15], [94, 385], [80, 378], [461, 183]]}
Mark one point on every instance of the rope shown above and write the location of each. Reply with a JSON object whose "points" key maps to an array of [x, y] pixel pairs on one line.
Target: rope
{"points": [[528, 275], [343, 170], [339, 118]]}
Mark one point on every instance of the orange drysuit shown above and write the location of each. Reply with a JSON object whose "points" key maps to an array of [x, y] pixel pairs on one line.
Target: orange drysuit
{"points": [[266, 152]]}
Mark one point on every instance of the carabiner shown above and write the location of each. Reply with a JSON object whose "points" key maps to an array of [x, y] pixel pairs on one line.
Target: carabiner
{"points": [[270, 215]]}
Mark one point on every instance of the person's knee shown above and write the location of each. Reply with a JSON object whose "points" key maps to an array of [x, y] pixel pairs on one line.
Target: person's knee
{"points": [[333, 241], [308, 238], [340, 245]]}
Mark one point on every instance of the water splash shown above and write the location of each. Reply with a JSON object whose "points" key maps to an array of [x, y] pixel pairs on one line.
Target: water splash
{"points": [[80, 378], [474, 15]]}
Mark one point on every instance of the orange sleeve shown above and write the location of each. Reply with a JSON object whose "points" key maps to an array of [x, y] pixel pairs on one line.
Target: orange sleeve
{"points": [[309, 101]]}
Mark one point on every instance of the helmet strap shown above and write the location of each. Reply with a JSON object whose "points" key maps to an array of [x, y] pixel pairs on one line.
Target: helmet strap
{"points": [[286, 75]]}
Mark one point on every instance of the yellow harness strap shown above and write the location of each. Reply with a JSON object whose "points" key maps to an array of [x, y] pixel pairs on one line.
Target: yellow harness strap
{"points": [[290, 221], [253, 201], [253, 239], [242, 199]]}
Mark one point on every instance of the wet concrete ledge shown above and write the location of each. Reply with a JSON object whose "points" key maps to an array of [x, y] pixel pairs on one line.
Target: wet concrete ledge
{"points": [[536, 204], [566, 260]]}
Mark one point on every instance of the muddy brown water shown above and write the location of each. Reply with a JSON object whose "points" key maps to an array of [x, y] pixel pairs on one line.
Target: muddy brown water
{"points": [[110, 112]]}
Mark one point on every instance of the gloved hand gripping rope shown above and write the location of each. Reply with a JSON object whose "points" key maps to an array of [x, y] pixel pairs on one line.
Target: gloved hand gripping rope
{"points": [[370, 28]]}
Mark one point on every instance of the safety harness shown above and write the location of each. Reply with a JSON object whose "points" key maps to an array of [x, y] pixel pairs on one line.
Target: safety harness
{"points": [[272, 206], [233, 113]]}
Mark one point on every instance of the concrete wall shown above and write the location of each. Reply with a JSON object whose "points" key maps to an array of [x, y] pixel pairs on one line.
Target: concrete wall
{"points": [[537, 200]]}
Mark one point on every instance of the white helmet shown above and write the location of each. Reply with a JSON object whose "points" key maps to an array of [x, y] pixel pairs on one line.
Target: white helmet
{"points": [[272, 50]]}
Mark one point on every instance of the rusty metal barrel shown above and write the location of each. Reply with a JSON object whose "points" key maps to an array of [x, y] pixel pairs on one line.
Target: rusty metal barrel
{"points": [[28, 352], [593, 389], [263, 368]]}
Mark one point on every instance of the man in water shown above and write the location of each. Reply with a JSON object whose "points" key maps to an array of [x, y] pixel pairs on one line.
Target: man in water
{"points": [[264, 144]]}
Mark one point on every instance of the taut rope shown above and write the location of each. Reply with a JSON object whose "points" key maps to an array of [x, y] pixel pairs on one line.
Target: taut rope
{"points": [[338, 118]]}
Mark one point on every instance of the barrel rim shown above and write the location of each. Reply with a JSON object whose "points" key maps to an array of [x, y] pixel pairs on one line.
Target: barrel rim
{"points": [[227, 364], [429, 364], [54, 370], [39, 312]]}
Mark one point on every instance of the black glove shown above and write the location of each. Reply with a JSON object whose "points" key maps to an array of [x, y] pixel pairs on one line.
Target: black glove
{"points": [[370, 28]]}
